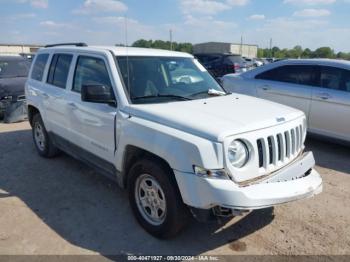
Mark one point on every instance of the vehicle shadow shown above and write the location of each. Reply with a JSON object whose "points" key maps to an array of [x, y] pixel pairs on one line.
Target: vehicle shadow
{"points": [[330, 155], [90, 212]]}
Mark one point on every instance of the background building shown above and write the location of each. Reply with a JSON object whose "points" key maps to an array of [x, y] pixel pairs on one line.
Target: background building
{"points": [[245, 50], [18, 49]]}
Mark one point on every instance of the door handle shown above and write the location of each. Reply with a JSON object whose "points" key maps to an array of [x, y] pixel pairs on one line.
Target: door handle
{"points": [[324, 96], [45, 96], [266, 88], [72, 105]]}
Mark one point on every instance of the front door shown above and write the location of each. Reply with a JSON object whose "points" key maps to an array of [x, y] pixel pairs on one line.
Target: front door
{"points": [[289, 85], [92, 124]]}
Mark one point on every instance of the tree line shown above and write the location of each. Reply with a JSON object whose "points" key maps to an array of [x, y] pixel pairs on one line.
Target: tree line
{"points": [[159, 44], [299, 52], [296, 52]]}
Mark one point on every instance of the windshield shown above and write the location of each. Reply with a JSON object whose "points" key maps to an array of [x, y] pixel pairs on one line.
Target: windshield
{"points": [[164, 79], [14, 68]]}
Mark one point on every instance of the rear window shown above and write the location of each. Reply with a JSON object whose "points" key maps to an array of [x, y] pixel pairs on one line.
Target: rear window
{"points": [[234, 59], [59, 70], [208, 58], [39, 67]]}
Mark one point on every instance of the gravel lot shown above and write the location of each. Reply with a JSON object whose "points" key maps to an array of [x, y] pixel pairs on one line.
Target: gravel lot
{"points": [[60, 206]]}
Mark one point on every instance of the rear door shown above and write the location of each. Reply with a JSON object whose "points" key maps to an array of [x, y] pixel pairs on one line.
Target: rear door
{"points": [[289, 85], [330, 106], [54, 93], [92, 125]]}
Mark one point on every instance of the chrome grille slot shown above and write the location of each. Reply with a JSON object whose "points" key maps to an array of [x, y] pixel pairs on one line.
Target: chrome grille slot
{"points": [[292, 134], [279, 147], [301, 135], [260, 153], [271, 151], [288, 147]]}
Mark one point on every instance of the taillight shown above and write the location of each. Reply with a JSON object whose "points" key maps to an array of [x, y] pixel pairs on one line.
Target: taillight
{"points": [[236, 66]]}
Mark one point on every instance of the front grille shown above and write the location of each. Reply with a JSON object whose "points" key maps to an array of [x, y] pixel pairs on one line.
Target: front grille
{"points": [[279, 148]]}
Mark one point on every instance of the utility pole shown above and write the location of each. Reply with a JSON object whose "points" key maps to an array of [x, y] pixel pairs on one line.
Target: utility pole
{"points": [[270, 47], [241, 45], [171, 39]]}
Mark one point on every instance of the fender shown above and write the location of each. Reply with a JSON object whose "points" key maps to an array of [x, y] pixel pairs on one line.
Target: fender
{"points": [[181, 150]]}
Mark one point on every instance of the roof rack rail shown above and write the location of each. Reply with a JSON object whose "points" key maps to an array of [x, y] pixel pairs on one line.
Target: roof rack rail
{"points": [[63, 44]]}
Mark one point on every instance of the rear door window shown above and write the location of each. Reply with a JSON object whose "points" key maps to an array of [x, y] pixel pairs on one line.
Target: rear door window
{"points": [[346, 81], [59, 70], [331, 77], [39, 67]]}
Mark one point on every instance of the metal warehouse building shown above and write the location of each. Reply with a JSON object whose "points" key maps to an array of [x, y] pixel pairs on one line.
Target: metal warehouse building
{"points": [[245, 50], [18, 48]]}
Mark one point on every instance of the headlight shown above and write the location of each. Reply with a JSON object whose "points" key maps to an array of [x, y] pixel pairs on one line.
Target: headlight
{"points": [[238, 154]]}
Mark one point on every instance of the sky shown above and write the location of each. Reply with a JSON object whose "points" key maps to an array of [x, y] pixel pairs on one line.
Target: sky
{"points": [[309, 23]]}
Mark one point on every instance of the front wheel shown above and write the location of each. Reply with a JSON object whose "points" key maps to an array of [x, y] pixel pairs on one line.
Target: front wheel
{"points": [[155, 199]]}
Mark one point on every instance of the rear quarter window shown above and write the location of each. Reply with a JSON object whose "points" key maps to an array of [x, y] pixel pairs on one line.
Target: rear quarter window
{"points": [[39, 67]]}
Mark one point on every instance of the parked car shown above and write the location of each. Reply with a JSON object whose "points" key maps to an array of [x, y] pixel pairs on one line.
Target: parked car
{"points": [[13, 74], [29, 56], [159, 124], [220, 64], [318, 87], [253, 62]]}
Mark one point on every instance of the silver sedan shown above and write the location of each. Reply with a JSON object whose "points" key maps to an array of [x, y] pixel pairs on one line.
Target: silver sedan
{"points": [[319, 87]]}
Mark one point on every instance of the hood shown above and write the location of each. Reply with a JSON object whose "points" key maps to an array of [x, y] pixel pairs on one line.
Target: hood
{"points": [[12, 86], [218, 117]]}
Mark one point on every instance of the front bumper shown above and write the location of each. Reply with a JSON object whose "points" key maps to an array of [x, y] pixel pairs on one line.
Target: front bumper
{"points": [[296, 181]]}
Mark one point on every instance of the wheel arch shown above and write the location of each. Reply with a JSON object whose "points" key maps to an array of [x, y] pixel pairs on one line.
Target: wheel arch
{"points": [[32, 110], [132, 154]]}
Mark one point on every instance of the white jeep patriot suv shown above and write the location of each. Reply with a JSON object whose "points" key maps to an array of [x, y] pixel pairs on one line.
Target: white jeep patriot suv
{"points": [[162, 127]]}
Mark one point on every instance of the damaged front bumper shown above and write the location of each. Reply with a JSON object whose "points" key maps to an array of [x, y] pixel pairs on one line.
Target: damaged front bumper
{"points": [[12, 111], [296, 181]]}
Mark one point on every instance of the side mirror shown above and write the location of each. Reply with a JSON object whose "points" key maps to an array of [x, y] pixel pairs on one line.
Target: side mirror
{"points": [[97, 94]]}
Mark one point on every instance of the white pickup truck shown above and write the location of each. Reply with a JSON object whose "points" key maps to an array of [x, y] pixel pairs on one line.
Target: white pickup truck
{"points": [[162, 127]]}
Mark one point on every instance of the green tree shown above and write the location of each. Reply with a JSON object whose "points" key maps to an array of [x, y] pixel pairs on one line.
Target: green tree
{"points": [[323, 52], [160, 44], [307, 53], [297, 51], [275, 51]]}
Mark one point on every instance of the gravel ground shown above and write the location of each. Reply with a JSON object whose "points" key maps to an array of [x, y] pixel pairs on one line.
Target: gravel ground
{"points": [[60, 206]]}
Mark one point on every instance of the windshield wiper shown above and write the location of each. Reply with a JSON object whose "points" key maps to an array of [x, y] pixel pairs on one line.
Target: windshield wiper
{"points": [[157, 96], [211, 92]]}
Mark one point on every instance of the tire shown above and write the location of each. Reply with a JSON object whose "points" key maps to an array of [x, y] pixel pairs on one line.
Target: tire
{"points": [[42, 141], [160, 178]]}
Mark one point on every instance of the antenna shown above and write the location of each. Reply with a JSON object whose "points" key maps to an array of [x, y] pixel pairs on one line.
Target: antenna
{"points": [[171, 39], [127, 53]]}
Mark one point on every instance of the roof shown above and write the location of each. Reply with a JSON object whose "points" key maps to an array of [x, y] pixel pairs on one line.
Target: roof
{"points": [[318, 61], [124, 51], [323, 62]]}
